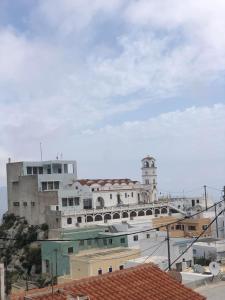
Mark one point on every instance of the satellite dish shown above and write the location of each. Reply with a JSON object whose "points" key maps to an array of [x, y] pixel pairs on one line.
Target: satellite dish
{"points": [[214, 268], [198, 269]]}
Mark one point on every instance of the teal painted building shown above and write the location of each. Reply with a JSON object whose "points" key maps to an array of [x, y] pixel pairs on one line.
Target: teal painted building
{"points": [[55, 254]]}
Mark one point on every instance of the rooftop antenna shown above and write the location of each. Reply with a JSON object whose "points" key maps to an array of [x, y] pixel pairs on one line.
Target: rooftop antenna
{"points": [[41, 150]]}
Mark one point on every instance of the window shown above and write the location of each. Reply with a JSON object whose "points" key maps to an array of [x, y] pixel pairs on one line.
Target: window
{"points": [[89, 242], [69, 220], [77, 201], [50, 185], [24, 203], [16, 204], [194, 251], [135, 238], [49, 170], [92, 189], [147, 235], [132, 194], [56, 185], [32, 203], [81, 243], [87, 203], [40, 170], [110, 269], [70, 201], [122, 240], [47, 266], [110, 196], [70, 250], [191, 227], [204, 227], [34, 170], [121, 267], [99, 271], [197, 201], [110, 241], [79, 219], [64, 201], [29, 171], [179, 227], [105, 242], [125, 195], [44, 186]]}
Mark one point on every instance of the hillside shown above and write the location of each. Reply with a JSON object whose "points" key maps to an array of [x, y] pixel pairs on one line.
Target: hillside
{"points": [[20, 251]]}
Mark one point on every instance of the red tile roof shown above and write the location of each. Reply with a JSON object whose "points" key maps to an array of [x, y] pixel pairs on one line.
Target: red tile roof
{"points": [[103, 182], [138, 283]]}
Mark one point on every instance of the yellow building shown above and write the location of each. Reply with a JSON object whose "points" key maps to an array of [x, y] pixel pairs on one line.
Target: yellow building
{"points": [[185, 228], [98, 261]]}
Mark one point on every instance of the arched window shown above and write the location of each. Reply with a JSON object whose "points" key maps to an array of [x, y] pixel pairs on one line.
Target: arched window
{"points": [[146, 164], [125, 215], [107, 217], [141, 213], [163, 210], [89, 219], [157, 212], [133, 214], [116, 216], [69, 220], [98, 218], [148, 212]]}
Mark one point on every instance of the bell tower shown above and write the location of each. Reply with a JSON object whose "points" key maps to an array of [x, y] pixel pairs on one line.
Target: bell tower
{"points": [[149, 176]]}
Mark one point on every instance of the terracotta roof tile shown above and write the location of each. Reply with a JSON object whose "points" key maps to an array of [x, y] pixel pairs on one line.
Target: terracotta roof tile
{"points": [[143, 282]]}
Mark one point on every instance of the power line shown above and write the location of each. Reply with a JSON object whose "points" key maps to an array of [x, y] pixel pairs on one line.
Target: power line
{"points": [[118, 235], [195, 240]]}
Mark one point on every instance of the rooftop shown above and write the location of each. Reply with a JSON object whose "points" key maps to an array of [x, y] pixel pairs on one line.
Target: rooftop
{"points": [[143, 282]]}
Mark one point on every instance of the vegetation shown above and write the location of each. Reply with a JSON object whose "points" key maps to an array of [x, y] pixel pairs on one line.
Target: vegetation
{"points": [[22, 254]]}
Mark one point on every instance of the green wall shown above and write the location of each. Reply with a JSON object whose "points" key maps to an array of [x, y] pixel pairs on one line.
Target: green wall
{"points": [[56, 252]]}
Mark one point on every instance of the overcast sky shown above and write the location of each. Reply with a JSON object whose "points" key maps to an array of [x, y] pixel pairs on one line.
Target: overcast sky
{"points": [[108, 82]]}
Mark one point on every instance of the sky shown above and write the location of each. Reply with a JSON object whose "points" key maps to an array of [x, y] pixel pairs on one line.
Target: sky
{"points": [[108, 82]]}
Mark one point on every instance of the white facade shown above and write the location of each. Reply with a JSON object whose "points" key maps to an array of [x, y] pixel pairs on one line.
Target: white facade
{"points": [[214, 250]]}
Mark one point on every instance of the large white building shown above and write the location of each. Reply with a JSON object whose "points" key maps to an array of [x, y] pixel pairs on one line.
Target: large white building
{"points": [[50, 192]]}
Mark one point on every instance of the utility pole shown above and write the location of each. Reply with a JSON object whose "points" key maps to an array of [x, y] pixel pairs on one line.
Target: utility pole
{"points": [[205, 196], [168, 246], [217, 233], [56, 265]]}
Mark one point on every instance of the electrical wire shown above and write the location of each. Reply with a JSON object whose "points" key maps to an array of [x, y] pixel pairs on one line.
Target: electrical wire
{"points": [[195, 240], [118, 235]]}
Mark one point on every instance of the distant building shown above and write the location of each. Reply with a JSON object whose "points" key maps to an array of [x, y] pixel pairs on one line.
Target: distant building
{"points": [[143, 282], [34, 186], [210, 249], [97, 262], [188, 227]]}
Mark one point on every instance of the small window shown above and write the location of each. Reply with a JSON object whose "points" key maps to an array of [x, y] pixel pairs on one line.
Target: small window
{"points": [[81, 243], [191, 227], [77, 201], [44, 186], [64, 201], [132, 194], [29, 171], [99, 271], [122, 240], [204, 227], [70, 250], [135, 238], [148, 236], [40, 170], [56, 185], [70, 201], [125, 195], [57, 220], [50, 185], [32, 203], [79, 219], [194, 251], [110, 196], [197, 200], [92, 189], [110, 241], [110, 269], [16, 204], [24, 203], [121, 267], [69, 220], [34, 170], [49, 170]]}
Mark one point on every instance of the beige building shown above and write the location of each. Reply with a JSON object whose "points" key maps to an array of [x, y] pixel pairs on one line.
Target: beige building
{"points": [[185, 228], [98, 261]]}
